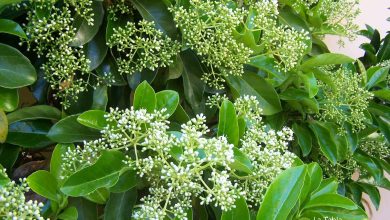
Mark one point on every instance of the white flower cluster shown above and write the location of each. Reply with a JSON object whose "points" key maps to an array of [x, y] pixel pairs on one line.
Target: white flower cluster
{"points": [[207, 27], [51, 36], [142, 47], [340, 100], [186, 164], [12, 201]]}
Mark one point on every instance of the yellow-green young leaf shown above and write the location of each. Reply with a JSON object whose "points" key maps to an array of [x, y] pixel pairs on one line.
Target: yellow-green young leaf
{"points": [[144, 97], [228, 124], [167, 99], [9, 99], [16, 70], [240, 212], [104, 173], [376, 75], [241, 162], [282, 194], [69, 213], [3, 126], [44, 184], [93, 119], [120, 205], [325, 59]]}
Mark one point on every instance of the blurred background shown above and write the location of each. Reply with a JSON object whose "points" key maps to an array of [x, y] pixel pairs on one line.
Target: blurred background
{"points": [[374, 13]]}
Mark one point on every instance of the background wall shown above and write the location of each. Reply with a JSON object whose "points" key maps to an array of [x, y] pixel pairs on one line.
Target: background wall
{"points": [[374, 13]]}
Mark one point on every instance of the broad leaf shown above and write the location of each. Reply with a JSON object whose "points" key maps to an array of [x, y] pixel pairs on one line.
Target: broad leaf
{"points": [[68, 130], [304, 138], [144, 97], [93, 119], [11, 27], [57, 159], [104, 173], [44, 184], [69, 213], [3, 126], [168, 100], [326, 141], [15, 69], [240, 212], [29, 134], [326, 59], [35, 112], [9, 99], [241, 162], [282, 194], [228, 124], [120, 205]]}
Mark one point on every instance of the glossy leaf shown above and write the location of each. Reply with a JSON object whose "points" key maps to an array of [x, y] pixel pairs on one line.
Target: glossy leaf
{"points": [[282, 194], [127, 180], [29, 134], [241, 162], [104, 173], [253, 84], [157, 11], [240, 212], [144, 97], [68, 130], [326, 141], [376, 75], [35, 112], [331, 200], [57, 159], [372, 192], [9, 99], [167, 99], [11, 27], [86, 210], [327, 186], [228, 124], [86, 32], [44, 184], [326, 59], [3, 126], [16, 70], [99, 196], [96, 50], [310, 82], [120, 205], [69, 213], [93, 119], [8, 155], [304, 138]]}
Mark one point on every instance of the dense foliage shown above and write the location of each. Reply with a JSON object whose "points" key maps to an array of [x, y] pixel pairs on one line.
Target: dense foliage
{"points": [[189, 109]]}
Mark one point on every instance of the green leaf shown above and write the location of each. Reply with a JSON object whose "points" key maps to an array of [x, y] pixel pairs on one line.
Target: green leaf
{"points": [[120, 205], [9, 99], [69, 213], [376, 75], [144, 97], [127, 180], [310, 82], [327, 212], [100, 98], [86, 210], [192, 83], [325, 59], [96, 50], [109, 68], [29, 134], [228, 124], [104, 173], [241, 162], [369, 164], [157, 11], [167, 99], [35, 112], [326, 141], [11, 27], [240, 212], [315, 173], [99, 196], [8, 155], [327, 186], [68, 130], [86, 32], [3, 126], [382, 94], [255, 85], [372, 192], [44, 184], [93, 119], [16, 70], [332, 200], [282, 194], [304, 138], [57, 159], [8, 2], [268, 65]]}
